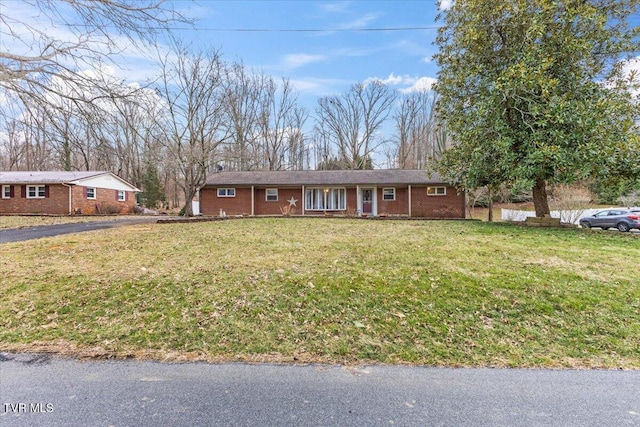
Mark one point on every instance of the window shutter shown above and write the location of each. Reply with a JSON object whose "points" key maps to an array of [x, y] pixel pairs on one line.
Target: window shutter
{"points": [[116, 195], [46, 191], [11, 193], [23, 191], [84, 192], [126, 196]]}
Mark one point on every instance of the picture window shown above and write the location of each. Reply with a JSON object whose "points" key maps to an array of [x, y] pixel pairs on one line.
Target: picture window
{"points": [[329, 199]]}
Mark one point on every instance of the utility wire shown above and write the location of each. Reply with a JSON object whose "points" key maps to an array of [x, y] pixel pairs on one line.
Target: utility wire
{"points": [[310, 30], [278, 30]]}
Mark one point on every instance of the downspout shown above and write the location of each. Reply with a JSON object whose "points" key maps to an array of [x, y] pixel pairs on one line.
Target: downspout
{"points": [[409, 200], [252, 201], [302, 201], [70, 198]]}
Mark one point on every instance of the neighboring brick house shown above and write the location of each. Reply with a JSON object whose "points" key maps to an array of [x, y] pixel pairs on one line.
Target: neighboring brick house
{"points": [[382, 192], [65, 193]]}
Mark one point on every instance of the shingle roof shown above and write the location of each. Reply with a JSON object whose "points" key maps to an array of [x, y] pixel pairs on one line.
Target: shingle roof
{"points": [[331, 177], [46, 177]]}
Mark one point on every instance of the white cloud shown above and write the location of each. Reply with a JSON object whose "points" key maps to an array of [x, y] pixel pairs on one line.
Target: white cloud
{"points": [[423, 84], [316, 87], [445, 4], [359, 23], [393, 80], [297, 60], [335, 7], [408, 83]]}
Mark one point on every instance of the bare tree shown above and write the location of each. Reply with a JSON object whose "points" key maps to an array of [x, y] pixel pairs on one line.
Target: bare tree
{"points": [[63, 38], [244, 101], [192, 87], [297, 139], [131, 131], [406, 120], [352, 122], [33, 136], [280, 122], [12, 149], [419, 138]]}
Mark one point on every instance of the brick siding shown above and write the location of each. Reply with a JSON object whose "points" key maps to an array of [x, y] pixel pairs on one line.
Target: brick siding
{"points": [[57, 202], [399, 206], [105, 202], [451, 205], [210, 203]]}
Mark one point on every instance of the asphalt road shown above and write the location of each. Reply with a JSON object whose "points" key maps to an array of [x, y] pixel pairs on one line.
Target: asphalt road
{"points": [[39, 231], [43, 391]]}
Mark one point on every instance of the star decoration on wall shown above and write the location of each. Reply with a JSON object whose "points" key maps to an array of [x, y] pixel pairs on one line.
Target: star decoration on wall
{"points": [[292, 201]]}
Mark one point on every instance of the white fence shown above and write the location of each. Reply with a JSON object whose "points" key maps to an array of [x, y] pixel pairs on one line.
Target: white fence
{"points": [[566, 216]]}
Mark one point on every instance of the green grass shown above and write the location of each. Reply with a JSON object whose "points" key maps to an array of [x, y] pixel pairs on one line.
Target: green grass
{"points": [[329, 290]]}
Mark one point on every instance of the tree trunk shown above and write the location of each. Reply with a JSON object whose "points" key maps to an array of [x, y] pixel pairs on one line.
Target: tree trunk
{"points": [[490, 204], [188, 206], [540, 201]]}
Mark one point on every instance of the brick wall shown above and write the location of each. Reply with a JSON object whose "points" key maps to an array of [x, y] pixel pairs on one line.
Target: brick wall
{"points": [[57, 201], [105, 202], [399, 206], [450, 205], [210, 203], [264, 207]]}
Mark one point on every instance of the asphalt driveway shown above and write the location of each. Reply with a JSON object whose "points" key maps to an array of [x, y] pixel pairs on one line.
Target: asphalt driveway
{"points": [[40, 231]]}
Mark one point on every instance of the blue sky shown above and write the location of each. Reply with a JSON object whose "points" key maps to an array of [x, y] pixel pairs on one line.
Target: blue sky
{"points": [[323, 47]]}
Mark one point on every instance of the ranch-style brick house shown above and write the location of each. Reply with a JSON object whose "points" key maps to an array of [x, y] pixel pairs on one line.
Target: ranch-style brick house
{"points": [[371, 193], [65, 193]]}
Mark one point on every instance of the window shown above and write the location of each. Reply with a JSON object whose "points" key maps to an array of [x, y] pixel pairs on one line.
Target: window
{"points": [[6, 191], [388, 194], [91, 193], [36, 192], [326, 199], [436, 191], [226, 192], [272, 194], [122, 196]]}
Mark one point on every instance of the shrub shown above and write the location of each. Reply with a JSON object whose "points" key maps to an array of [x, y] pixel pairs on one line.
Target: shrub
{"points": [[571, 200], [109, 209]]}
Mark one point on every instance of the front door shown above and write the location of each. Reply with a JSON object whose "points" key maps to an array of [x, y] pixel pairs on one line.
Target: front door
{"points": [[367, 201]]}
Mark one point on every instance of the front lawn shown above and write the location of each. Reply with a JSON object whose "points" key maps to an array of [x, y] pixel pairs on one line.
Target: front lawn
{"points": [[443, 293]]}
